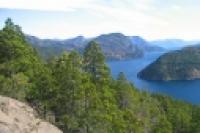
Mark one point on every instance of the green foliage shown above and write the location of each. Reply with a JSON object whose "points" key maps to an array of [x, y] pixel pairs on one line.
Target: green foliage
{"points": [[94, 63], [175, 65], [18, 61], [80, 95]]}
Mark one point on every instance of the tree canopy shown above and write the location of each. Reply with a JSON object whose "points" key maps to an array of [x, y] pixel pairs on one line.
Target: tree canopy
{"points": [[78, 94]]}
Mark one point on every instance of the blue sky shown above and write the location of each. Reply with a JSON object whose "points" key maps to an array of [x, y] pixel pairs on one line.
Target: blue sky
{"points": [[151, 19]]}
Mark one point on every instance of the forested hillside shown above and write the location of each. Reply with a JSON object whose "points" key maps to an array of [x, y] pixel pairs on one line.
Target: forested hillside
{"points": [[77, 93], [181, 64]]}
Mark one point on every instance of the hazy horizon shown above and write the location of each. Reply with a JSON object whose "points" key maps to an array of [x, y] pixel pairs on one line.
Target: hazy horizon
{"points": [[61, 19]]}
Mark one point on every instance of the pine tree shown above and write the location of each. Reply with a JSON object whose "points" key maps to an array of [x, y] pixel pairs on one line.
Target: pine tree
{"points": [[17, 60], [94, 63], [68, 101], [81, 94]]}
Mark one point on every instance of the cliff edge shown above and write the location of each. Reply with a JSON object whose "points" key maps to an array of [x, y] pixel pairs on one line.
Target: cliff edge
{"points": [[17, 117]]}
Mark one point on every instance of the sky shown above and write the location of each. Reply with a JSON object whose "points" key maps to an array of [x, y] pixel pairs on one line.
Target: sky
{"points": [[151, 19]]}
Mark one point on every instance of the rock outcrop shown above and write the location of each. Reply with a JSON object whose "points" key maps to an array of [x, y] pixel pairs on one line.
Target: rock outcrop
{"points": [[17, 117]]}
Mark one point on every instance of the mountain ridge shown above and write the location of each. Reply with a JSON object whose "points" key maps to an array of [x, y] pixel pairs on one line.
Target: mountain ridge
{"points": [[173, 44], [116, 46]]}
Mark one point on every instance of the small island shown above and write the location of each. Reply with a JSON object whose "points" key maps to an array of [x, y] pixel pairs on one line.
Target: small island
{"points": [[181, 64]]}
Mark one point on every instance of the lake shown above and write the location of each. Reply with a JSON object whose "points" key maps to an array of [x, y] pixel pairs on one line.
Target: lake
{"points": [[183, 90]]}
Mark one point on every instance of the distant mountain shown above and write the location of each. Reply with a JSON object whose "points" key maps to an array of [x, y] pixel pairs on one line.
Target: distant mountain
{"points": [[196, 45], [118, 46], [181, 64], [173, 44], [75, 43], [115, 46], [72, 43], [145, 45], [48, 48]]}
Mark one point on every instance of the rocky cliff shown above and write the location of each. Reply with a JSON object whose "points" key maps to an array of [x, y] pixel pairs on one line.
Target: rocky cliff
{"points": [[17, 117]]}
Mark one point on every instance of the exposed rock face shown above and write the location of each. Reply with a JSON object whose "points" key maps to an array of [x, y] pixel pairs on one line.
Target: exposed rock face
{"points": [[17, 117], [176, 65]]}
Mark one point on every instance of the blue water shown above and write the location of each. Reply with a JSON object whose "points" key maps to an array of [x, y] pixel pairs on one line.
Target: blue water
{"points": [[188, 91]]}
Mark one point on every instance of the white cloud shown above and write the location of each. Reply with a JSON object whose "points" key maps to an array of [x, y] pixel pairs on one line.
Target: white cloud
{"points": [[176, 7], [149, 18], [51, 5], [118, 12]]}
